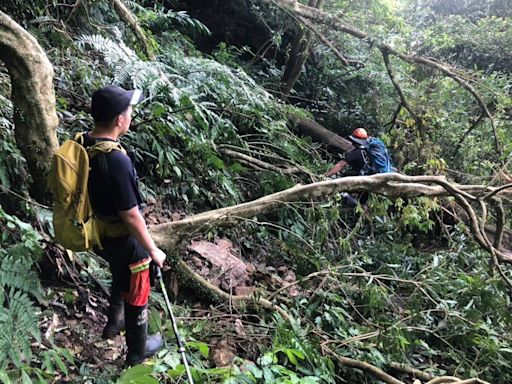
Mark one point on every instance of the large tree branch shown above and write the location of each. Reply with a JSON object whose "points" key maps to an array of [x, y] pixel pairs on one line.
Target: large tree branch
{"points": [[169, 235]]}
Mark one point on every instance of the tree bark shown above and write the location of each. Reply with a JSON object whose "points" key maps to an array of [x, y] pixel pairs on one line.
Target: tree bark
{"points": [[334, 143], [33, 97], [298, 55], [127, 17], [170, 236]]}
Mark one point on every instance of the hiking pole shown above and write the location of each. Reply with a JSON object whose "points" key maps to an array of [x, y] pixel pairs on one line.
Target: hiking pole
{"points": [[181, 348]]}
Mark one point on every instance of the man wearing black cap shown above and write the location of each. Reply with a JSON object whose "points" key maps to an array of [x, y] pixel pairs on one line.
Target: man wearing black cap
{"points": [[115, 199]]}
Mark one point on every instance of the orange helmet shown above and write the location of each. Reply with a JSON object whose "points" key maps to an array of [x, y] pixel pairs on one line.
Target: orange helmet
{"points": [[359, 136]]}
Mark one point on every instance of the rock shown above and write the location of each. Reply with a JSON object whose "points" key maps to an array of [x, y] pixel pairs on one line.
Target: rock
{"points": [[227, 267], [244, 291], [290, 277]]}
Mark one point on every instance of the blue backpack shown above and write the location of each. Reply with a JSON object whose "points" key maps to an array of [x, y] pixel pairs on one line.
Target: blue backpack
{"points": [[380, 161]]}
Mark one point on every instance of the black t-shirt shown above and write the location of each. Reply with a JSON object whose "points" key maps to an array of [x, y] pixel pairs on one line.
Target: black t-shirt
{"points": [[112, 181], [357, 159]]}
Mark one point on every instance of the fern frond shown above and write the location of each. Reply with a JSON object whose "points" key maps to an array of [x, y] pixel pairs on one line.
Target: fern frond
{"points": [[44, 20], [5, 103], [18, 321], [115, 53], [15, 272], [43, 215]]}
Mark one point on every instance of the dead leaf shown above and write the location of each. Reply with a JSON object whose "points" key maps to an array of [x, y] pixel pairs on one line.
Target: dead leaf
{"points": [[221, 354], [53, 324], [239, 327]]}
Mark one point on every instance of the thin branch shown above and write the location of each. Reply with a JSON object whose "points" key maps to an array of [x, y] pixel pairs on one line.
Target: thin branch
{"points": [[326, 42], [497, 190], [466, 134], [392, 77], [411, 371], [126, 16], [394, 118], [27, 199], [258, 163], [366, 367]]}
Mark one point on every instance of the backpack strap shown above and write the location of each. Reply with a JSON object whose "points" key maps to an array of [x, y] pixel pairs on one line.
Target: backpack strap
{"points": [[79, 138], [98, 147], [104, 147]]}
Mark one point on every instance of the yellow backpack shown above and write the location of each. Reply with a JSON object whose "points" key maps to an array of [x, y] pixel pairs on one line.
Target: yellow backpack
{"points": [[74, 223]]}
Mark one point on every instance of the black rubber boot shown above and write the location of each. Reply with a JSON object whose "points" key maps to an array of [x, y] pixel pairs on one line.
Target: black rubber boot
{"points": [[140, 345], [115, 316], [349, 200]]}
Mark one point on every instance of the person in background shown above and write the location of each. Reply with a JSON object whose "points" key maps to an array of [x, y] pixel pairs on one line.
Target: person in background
{"points": [[357, 161]]}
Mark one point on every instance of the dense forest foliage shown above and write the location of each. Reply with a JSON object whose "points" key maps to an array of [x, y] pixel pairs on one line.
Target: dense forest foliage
{"points": [[414, 288]]}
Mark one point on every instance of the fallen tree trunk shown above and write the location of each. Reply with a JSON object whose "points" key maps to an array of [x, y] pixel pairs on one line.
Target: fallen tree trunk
{"points": [[334, 142], [169, 236]]}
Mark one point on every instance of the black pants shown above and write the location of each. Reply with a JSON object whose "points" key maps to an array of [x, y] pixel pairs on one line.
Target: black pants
{"points": [[130, 267]]}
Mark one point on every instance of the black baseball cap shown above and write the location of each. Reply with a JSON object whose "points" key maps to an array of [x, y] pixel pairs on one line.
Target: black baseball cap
{"points": [[110, 101]]}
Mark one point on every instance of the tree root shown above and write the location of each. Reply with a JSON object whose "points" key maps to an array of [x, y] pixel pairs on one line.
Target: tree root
{"points": [[33, 98], [188, 276]]}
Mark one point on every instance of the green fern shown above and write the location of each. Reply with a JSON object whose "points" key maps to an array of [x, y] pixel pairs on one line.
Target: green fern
{"points": [[19, 284], [18, 321], [45, 217], [15, 272], [114, 53], [198, 103], [166, 19]]}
